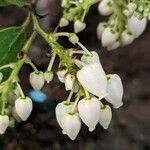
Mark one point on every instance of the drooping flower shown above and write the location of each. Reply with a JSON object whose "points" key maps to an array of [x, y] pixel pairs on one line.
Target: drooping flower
{"points": [[48, 76], [88, 59], [109, 37], [105, 116], [100, 28], [79, 26], [136, 26], [23, 107], [4, 122], [115, 45], [105, 7], [114, 90], [69, 82], [37, 80], [61, 75], [63, 22], [89, 112], [92, 77], [126, 38], [71, 125], [61, 109]]}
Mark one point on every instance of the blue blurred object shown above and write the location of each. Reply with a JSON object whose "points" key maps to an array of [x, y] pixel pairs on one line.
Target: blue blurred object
{"points": [[38, 96]]}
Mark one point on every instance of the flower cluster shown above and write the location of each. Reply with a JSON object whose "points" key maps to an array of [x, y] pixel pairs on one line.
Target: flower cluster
{"points": [[124, 24], [90, 85], [127, 19]]}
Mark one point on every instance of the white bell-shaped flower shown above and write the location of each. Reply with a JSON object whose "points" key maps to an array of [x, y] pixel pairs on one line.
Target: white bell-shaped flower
{"points": [[1, 76], [71, 124], [105, 116], [37, 80], [69, 82], [61, 75], [126, 38], [4, 122], [92, 77], [79, 26], [114, 46], [89, 112], [114, 90], [105, 7], [63, 22], [23, 107], [100, 28], [48, 75], [88, 59], [109, 37], [61, 109], [136, 26]]}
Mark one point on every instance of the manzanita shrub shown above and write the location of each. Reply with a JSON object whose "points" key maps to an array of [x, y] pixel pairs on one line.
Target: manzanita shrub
{"points": [[83, 76]]}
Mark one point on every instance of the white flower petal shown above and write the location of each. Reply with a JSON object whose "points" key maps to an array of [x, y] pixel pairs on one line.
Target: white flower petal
{"points": [[63, 22], [126, 38], [109, 37], [37, 80], [71, 125], [105, 116], [136, 26], [104, 8], [61, 109], [23, 107], [92, 77], [89, 112], [115, 45], [69, 82], [79, 26], [114, 90], [100, 29], [48, 75], [61, 75], [4, 122], [88, 59]]}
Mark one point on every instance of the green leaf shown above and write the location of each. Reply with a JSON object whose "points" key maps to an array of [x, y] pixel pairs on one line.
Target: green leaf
{"points": [[19, 3], [11, 41]]}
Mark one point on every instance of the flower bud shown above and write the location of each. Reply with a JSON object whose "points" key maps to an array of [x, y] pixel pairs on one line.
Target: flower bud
{"points": [[23, 107], [114, 90], [37, 80], [63, 22], [136, 26], [89, 112], [109, 37], [4, 122], [61, 109], [73, 38], [100, 29], [1, 77], [69, 82], [92, 77], [61, 75], [113, 46], [105, 116], [105, 7], [48, 75], [79, 26], [126, 38], [88, 59], [71, 125]]}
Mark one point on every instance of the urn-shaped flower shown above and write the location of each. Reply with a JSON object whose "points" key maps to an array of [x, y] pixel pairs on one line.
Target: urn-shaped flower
{"points": [[37, 80], [79, 26], [92, 77], [4, 122], [105, 116], [89, 112], [114, 90], [136, 26], [71, 124], [23, 107]]}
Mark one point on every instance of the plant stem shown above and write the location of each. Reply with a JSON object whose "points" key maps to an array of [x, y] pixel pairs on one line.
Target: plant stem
{"points": [[75, 104], [51, 62]]}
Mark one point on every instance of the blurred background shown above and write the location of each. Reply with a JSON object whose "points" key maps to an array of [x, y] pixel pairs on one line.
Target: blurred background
{"points": [[130, 126]]}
